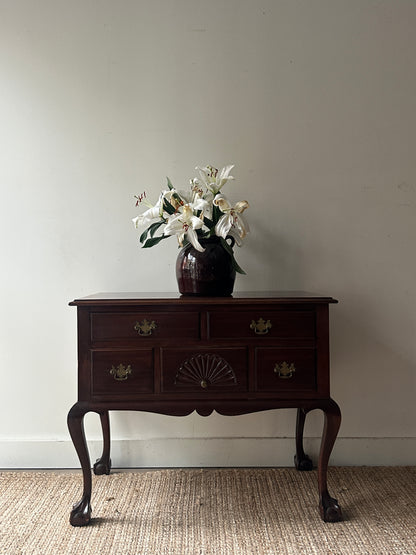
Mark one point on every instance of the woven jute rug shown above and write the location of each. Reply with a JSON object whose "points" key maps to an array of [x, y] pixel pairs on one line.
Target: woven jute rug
{"points": [[210, 511]]}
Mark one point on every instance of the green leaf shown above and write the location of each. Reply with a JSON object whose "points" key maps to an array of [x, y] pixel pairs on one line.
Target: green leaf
{"points": [[143, 236], [154, 227], [237, 268], [168, 207], [154, 241], [226, 246], [169, 184], [151, 230], [216, 214], [209, 223], [230, 251]]}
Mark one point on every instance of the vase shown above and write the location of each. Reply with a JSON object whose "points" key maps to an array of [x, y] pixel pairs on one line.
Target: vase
{"points": [[208, 273]]}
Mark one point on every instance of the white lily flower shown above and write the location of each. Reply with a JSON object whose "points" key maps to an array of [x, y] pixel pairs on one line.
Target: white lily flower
{"points": [[185, 224], [195, 200], [197, 213], [214, 179], [148, 216], [231, 223], [155, 212], [198, 201]]}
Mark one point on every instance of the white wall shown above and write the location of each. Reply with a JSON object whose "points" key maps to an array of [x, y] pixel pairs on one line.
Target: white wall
{"points": [[314, 101]]}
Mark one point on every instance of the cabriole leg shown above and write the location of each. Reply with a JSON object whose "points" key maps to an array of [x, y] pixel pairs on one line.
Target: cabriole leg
{"points": [[328, 506], [103, 464], [302, 461], [81, 512]]}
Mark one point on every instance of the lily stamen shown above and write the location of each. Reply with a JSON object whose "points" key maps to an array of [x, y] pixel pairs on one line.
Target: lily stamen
{"points": [[140, 198]]}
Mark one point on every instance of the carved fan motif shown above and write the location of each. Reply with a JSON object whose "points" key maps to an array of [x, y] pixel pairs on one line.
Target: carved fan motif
{"points": [[205, 370]]}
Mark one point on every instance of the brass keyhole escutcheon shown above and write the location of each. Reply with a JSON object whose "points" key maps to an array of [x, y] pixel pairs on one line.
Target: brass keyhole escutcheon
{"points": [[121, 373], [145, 327], [284, 370], [261, 327]]}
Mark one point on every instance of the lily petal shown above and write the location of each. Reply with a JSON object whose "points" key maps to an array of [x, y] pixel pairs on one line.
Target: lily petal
{"points": [[241, 206], [193, 239], [224, 176], [222, 203], [150, 214], [223, 226], [174, 225], [196, 223], [184, 225]]}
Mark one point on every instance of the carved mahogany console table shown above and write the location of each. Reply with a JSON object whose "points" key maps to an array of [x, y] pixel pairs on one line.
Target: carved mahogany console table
{"points": [[172, 355]]}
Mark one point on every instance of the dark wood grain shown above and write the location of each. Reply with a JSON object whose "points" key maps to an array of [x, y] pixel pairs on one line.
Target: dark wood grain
{"points": [[204, 355]]}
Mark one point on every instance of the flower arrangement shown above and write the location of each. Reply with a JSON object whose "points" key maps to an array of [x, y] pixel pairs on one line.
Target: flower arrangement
{"points": [[201, 212]]}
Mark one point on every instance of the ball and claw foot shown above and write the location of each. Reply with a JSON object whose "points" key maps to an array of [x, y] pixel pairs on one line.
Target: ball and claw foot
{"points": [[81, 513], [102, 466], [330, 510], [304, 463]]}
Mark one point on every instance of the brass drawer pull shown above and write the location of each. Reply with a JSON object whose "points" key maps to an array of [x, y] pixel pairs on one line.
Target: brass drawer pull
{"points": [[261, 327], [145, 327], [204, 384], [284, 370], [120, 373]]}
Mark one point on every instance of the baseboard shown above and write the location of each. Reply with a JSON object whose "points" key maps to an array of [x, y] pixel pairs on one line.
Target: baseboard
{"points": [[212, 452]]}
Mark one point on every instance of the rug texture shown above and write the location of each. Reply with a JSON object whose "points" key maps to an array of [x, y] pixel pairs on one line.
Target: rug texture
{"points": [[210, 511]]}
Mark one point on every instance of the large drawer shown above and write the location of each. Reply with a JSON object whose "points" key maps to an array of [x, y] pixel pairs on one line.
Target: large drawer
{"points": [[123, 372], [262, 323], [141, 326], [204, 370], [285, 369]]}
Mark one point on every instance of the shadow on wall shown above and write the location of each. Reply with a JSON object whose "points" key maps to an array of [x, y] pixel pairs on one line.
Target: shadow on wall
{"points": [[271, 262], [372, 378]]}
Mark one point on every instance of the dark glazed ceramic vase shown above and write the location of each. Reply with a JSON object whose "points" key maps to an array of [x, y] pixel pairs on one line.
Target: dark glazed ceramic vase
{"points": [[209, 273]]}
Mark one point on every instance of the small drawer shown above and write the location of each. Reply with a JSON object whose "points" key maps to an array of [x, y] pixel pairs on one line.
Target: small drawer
{"points": [[262, 323], [204, 370], [142, 326], [285, 369], [123, 373]]}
